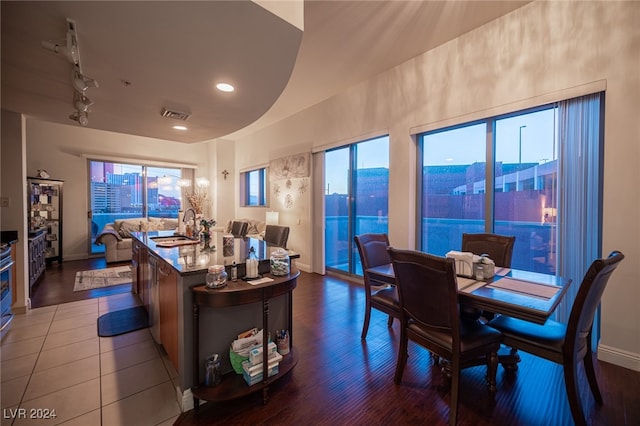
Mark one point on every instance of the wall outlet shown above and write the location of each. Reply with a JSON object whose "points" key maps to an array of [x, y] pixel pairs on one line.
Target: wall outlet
{"points": [[5, 201]]}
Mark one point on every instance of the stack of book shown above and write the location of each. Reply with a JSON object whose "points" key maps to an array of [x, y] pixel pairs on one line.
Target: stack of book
{"points": [[252, 368]]}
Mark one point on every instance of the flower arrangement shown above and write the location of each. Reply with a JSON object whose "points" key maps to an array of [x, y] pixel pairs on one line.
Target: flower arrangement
{"points": [[198, 197], [207, 223]]}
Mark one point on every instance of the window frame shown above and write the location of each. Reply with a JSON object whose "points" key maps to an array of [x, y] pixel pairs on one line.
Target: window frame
{"points": [[263, 185], [490, 123]]}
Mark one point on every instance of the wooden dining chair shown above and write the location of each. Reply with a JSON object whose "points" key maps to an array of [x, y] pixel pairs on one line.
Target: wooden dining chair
{"points": [[239, 229], [498, 247], [378, 295], [430, 316], [277, 235], [566, 344]]}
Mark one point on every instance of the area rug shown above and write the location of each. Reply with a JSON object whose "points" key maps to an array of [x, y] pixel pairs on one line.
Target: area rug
{"points": [[98, 278], [123, 321]]}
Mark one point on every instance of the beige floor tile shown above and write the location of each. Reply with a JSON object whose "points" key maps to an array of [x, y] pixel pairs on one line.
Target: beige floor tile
{"points": [[127, 356], [149, 407], [12, 391], [51, 308], [62, 377], [67, 337], [76, 322], [129, 381], [118, 304], [18, 367], [91, 418], [68, 353], [68, 403], [16, 334], [112, 343], [75, 312], [32, 318], [21, 348], [78, 303]]}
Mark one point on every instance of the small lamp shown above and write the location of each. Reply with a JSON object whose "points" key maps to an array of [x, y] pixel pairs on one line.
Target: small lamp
{"points": [[272, 218]]}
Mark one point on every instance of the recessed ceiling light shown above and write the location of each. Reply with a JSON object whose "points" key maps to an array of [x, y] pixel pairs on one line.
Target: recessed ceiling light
{"points": [[225, 87], [180, 127]]}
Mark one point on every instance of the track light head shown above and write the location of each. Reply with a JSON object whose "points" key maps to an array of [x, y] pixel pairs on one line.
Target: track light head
{"points": [[82, 103], [82, 83], [81, 117]]}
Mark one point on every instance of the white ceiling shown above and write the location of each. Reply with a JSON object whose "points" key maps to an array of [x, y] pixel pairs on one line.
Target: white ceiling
{"points": [[172, 53]]}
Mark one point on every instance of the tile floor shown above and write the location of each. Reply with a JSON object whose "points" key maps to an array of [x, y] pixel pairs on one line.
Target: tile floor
{"points": [[53, 359]]}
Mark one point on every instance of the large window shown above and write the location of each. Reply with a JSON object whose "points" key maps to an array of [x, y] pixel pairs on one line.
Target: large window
{"points": [[498, 175], [254, 187], [120, 191], [356, 199]]}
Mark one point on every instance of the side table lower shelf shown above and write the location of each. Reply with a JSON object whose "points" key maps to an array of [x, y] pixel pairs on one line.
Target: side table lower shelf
{"points": [[234, 386]]}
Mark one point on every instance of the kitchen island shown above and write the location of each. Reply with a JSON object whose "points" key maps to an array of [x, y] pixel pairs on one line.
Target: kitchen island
{"points": [[164, 275]]}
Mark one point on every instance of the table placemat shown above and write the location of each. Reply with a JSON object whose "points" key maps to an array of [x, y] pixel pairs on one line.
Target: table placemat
{"points": [[525, 287], [467, 285]]}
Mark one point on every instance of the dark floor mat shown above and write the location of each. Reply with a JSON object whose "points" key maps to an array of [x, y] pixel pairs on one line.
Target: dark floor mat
{"points": [[123, 321]]}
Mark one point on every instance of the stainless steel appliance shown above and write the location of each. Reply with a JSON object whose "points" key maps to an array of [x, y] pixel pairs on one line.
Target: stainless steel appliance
{"points": [[5, 288]]}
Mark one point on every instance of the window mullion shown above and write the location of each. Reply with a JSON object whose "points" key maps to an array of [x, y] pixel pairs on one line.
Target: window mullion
{"points": [[489, 187]]}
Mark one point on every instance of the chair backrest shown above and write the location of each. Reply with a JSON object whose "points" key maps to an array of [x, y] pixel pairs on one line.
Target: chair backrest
{"points": [[277, 235], [239, 229], [586, 303], [498, 247], [427, 290], [372, 249]]}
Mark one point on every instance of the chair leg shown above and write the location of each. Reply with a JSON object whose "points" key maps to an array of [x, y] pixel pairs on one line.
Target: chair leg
{"points": [[367, 318], [455, 384], [591, 375], [492, 370], [403, 347], [573, 392]]}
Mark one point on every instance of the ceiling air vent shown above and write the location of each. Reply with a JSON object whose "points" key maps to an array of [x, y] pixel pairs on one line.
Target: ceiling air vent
{"points": [[175, 114]]}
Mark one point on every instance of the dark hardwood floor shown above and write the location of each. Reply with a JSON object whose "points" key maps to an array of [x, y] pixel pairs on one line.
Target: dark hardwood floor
{"points": [[341, 379], [55, 286]]}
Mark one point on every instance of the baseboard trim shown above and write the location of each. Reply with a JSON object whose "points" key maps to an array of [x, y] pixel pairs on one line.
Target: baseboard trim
{"points": [[619, 357]]}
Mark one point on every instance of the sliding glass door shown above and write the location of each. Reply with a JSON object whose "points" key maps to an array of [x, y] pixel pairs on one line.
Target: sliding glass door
{"points": [[121, 191], [356, 199]]}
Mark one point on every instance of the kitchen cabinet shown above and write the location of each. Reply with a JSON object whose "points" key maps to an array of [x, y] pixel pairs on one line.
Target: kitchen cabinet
{"points": [[167, 291]]}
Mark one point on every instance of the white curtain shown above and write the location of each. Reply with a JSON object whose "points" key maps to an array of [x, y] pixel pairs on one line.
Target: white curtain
{"points": [[318, 261], [579, 204]]}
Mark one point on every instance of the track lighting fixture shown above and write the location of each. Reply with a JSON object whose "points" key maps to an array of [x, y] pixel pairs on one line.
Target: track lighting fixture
{"points": [[71, 51]]}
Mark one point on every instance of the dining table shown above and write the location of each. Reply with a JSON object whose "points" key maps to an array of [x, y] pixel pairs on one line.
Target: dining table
{"points": [[530, 296]]}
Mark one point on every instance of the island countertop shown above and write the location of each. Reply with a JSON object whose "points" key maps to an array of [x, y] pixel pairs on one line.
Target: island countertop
{"points": [[196, 257]]}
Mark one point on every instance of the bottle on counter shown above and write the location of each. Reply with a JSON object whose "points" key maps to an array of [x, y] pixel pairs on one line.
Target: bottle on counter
{"points": [[213, 374], [234, 271], [252, 264]]}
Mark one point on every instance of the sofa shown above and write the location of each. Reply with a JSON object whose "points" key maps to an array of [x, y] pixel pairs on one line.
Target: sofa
{"points": [[116, 236]]}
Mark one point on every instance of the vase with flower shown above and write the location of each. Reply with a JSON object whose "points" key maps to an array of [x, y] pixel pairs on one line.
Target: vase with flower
{"points": [[206, 225]]}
